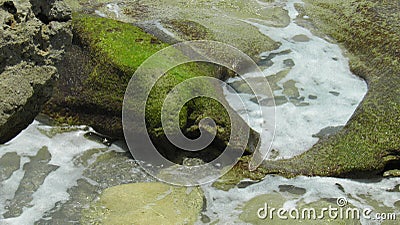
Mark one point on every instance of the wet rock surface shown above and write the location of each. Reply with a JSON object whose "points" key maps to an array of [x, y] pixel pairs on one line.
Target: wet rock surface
{"points": [[328, 131], [103, 169], [32, 41], [301, 38], [9, 162], [156, 203]]}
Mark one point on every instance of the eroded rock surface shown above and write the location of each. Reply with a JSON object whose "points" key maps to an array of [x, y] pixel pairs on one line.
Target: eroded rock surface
{"points": [[32, 40]]}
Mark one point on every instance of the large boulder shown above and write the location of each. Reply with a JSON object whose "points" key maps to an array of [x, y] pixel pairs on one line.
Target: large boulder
{"points": [[95, 75], [32, 41]]}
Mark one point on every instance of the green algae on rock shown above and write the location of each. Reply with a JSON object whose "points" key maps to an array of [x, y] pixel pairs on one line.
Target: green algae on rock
{"points": [[96, 74], [238, 173], [145, 203], [94, 77]]}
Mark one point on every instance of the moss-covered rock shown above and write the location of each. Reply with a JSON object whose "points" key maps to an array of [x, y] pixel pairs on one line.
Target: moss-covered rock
{"points": [[238, 173], [96, 73], [145, 203]]}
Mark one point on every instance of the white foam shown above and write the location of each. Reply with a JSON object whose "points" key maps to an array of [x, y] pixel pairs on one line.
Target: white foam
{"points": [[114, 8], [63, 148], [226, 206]]}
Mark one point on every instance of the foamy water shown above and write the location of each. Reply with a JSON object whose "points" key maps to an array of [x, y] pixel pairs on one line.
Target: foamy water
{"points": [[65, 146], [226, 206]]}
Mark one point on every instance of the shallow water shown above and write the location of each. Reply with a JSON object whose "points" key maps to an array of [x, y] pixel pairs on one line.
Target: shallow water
{"points": [[60, 172], [318, 91], [78, 169], [381, 196]]}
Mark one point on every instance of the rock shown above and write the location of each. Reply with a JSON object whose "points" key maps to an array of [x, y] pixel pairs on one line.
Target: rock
{"points": [[292, 189], [246, 183], [290, 89], [312, 97], [24, 89], [392, 173], [111, 168], [242, 87], [102, 169], [275, 78], [327, 131], [265, 63], [30, 48], [395, 188], [100, 138], [301, 38], [64, 212], [237, 174], [335, 93], [145, 203], [288, 62], [188, 30], [51, 10], [10, 162], [96, 72], [274, 54], [277, 100], [300, 104]]}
